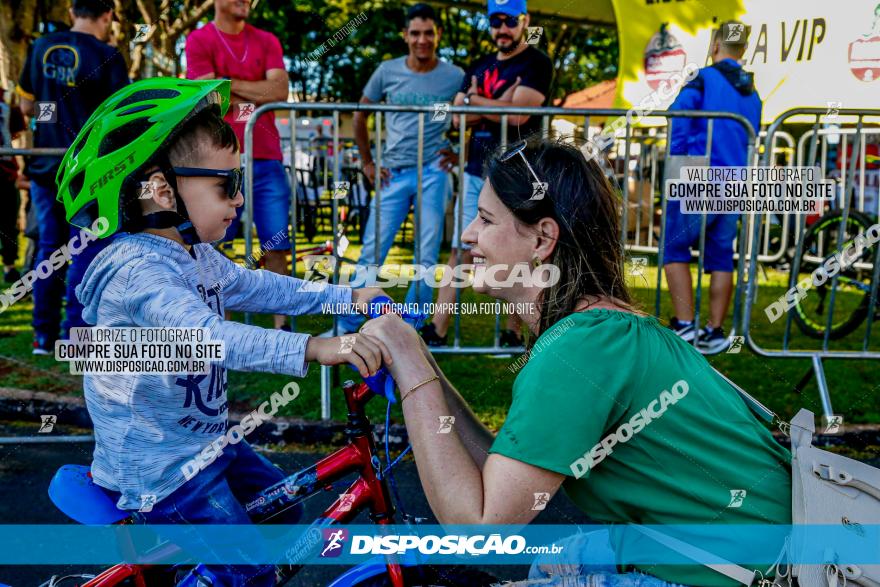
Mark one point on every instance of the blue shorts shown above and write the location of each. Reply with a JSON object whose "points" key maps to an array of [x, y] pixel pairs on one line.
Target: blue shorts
{"points": [[270, 206], [472, 187], [683, 233]]}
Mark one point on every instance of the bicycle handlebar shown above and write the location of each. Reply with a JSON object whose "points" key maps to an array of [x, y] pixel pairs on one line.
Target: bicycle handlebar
{"points": [[382, 383]]}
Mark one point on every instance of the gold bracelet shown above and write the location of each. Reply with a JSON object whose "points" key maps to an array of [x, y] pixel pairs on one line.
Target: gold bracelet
{"points": [[416, 386]]}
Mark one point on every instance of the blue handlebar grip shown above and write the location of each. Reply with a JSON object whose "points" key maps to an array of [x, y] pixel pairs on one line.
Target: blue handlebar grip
{"points": [[381, 383], [378, 306]]}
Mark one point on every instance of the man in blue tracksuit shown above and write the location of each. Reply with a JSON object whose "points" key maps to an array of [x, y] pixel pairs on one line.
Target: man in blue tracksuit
{"points": [[722, 87]]}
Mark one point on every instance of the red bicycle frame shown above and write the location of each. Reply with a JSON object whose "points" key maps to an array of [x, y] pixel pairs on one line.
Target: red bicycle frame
{"points": [[369, 491]]}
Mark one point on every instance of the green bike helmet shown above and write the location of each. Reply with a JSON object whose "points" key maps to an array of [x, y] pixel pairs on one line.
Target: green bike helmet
{"points": [[126, 131]]}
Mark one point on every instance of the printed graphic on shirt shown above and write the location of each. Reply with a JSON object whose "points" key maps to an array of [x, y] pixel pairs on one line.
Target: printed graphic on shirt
{"points": [[60, 63], [492, 82], [206, 392]]}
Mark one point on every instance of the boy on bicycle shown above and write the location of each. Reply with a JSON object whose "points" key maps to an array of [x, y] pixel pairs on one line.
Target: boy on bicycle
{"points": [[160, 165]]}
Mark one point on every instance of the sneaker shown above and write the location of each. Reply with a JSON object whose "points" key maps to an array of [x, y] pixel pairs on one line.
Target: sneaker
{"points": [[509, 338], [430, 336], [43, 345], [685, 330], [712, 340], [11, 276]]}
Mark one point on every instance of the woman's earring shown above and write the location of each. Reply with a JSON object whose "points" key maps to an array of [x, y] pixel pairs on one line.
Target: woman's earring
{"points": [[536, 262]]}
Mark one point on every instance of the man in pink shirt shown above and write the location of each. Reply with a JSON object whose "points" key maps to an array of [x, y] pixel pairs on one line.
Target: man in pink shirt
{"points": [[230, 48]]}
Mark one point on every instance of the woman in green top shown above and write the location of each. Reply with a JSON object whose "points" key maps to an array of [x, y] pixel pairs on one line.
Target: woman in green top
{"points": [[629, 419]]}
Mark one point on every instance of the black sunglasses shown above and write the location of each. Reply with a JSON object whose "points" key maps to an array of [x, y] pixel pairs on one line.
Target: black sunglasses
{"points": [[497, 20], [233, 177], [515, 150]]}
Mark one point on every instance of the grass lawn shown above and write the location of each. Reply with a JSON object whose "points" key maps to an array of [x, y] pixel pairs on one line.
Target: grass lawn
{"points": [[486, 382]]}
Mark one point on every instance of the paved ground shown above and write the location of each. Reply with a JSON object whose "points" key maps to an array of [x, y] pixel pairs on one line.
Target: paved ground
{"points": [[26, 469]]}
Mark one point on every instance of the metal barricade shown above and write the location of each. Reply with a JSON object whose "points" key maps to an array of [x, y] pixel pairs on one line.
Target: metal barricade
{"points": [[811, 153], [648, 144], [862, 173], [31, 151], [767, 252], [644, 209]]}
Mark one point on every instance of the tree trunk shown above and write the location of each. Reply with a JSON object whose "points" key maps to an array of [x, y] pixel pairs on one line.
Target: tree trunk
{"points": [[15, 26]]}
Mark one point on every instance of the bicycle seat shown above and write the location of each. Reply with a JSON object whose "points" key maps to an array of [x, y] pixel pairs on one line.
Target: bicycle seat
{"points": [[76, 495]]}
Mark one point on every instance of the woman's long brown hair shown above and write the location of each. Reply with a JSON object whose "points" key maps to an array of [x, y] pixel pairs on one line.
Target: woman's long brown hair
{"points": [[580, 199]]}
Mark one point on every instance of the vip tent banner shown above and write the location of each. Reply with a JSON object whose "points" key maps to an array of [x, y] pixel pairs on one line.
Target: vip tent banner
{"points": [[802, 52]]}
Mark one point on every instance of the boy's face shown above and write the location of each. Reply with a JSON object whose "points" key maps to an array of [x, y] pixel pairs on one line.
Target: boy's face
{"points": [[210, 210]]}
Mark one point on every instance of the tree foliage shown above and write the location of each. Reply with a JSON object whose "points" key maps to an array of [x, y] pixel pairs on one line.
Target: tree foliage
{"points": [[152, 33], [156, 51], [582, 56]]}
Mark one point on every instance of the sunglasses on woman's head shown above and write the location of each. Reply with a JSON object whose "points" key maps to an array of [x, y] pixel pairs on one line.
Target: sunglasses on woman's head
{"points": [[518, 149], [232, 177], [497, 20]]}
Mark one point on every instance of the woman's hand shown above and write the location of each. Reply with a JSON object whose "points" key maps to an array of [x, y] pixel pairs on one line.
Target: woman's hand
{"points": [[410, 366], [363, 351]]}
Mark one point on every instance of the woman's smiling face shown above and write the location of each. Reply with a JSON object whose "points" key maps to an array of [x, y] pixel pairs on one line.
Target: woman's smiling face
{"points": [[499, 243]]}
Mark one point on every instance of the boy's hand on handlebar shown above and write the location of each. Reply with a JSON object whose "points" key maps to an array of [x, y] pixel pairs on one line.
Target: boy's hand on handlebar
{"points": [[361, 297], [404, 343], [365, 352]]}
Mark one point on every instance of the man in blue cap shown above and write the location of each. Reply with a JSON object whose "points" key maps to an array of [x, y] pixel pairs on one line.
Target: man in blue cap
{"points": [[517, 75]]}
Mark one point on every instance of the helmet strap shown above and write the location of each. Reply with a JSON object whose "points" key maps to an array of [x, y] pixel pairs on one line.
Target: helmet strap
{"points": [[168, 218], [171, 219]]}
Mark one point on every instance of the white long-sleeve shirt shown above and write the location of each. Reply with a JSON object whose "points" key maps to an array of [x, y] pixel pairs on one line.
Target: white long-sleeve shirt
{"points": [[148, 425]]}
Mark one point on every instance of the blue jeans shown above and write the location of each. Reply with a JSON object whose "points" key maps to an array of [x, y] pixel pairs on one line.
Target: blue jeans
{"points": [[473, 184], [215, 496], [48, 293], [269, 205], [569, 569], [395, 203]]}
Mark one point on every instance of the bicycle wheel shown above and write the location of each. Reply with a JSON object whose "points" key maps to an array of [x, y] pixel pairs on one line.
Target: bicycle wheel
{"points": [[823, 240], [440, 576]]}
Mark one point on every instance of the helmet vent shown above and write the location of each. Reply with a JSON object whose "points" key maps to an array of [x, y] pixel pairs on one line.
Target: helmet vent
{"points": [[124, 136], [86, 215], [76, 184], [81, 142], [144, 95], [136, 109]]}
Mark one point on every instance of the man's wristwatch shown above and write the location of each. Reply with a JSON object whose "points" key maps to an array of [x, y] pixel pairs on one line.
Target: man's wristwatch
{"points": [[467, 99]]}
